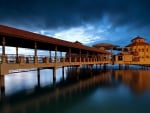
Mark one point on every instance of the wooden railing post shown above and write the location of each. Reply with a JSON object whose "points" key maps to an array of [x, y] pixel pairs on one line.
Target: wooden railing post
{"points": [[21, 59]]}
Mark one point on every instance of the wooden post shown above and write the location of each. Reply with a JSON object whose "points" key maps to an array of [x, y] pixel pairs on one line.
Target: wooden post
{"points": [[87, 57], [50, 56], [70, 55], [60, 54], [3, 50], [35, 53], [55, 53], [17, 60], [3, 46], [35, 49], [80, 54]]}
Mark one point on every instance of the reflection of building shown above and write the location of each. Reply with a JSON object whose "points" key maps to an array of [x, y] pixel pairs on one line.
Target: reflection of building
{"points": [[135, 53], [138, 80]]}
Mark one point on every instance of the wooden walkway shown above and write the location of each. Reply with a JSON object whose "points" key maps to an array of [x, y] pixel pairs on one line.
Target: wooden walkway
{"points": [[76, 54]]}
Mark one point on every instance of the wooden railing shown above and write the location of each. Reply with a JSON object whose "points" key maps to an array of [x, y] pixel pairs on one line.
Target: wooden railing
{"points": [[13, 59]]}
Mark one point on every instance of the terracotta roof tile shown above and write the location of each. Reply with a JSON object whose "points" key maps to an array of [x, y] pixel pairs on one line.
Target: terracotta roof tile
{"points": [[17, 33], [138, 44]]}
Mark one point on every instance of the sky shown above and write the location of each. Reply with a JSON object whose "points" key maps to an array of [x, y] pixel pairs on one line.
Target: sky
{"points": [[87, 21]]}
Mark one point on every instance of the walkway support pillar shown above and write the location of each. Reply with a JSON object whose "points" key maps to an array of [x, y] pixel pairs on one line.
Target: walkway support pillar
{"points": [[4, 59]]}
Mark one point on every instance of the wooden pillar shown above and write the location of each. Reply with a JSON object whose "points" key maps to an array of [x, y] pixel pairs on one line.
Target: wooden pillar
{"points": [[50, 56], [61, 58], [35, 49], [60, 54], [70, 55], [80, 54], [17, 60], [3, 50], [35, 53], [87, 56], [3, 46], [55, 53], [2, 85]]}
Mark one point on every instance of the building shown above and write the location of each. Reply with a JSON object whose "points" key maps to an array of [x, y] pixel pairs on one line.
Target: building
{"points": [[138, 52]]}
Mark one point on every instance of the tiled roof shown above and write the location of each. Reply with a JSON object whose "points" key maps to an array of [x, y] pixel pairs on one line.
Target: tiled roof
{"points": [[138, 44], [17, 34], [105, 45], [138, 37]]}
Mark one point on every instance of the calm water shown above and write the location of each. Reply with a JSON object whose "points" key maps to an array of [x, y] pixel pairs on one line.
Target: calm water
{"points": [[110, 91]]}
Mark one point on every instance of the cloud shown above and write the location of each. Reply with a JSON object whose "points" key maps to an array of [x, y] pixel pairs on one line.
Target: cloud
{"points": [[88, 21], [76, 34], [66, 13]]}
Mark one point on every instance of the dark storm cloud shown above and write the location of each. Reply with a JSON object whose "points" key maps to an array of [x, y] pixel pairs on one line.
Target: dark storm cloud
{"points": [[68, 13]]}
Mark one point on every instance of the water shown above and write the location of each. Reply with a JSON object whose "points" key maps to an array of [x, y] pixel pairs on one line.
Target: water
{"points": [[110, 91]]}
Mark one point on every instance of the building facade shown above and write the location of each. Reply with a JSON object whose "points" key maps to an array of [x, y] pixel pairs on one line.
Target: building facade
{"points": [[138, 52]]}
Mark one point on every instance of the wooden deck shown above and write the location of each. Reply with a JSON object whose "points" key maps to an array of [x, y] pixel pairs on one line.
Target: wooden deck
{"points": [[47, 62]]}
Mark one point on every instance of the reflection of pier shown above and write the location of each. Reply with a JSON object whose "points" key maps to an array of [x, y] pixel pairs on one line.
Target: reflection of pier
{"points": [[65, 90], [138, 80], [2, 86]]}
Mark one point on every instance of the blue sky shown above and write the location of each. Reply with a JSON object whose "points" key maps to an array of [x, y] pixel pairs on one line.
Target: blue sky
{"points": [[87, 21]]}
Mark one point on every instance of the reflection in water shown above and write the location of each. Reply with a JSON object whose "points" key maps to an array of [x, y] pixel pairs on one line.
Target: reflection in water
{"points": [[78, 91], [138, 80]]}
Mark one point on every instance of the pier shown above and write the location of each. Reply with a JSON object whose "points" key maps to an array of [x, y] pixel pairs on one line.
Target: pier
{"points": [[61, 53]]}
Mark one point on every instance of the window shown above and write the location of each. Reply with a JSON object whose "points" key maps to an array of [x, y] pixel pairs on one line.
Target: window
{"points": [[139, 50], [119, 57]]}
